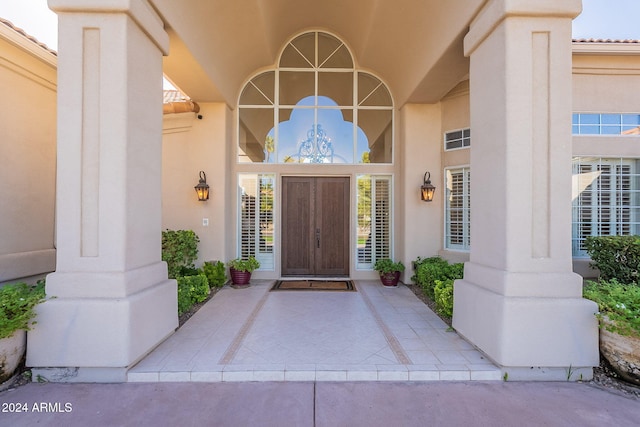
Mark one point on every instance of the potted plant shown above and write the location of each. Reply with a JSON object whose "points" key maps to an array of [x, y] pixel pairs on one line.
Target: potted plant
{"points": [[241, 269], [17, 303], [389, 271], [619, 316]]}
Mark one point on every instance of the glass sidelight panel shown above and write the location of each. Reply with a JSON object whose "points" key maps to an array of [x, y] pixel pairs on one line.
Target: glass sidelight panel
{"points": [[374, 220], [256, 218]]}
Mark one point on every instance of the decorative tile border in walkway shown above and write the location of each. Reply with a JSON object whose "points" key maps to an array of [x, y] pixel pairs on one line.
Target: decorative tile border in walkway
{"points": [[237, 342], [391, 339]]}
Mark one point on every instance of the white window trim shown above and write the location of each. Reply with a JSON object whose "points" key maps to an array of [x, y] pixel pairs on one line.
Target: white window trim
{"points": [[464, 147]]}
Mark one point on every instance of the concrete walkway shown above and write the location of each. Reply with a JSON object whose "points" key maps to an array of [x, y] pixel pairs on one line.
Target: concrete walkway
{"points": [[330, 404], [374, 334]]}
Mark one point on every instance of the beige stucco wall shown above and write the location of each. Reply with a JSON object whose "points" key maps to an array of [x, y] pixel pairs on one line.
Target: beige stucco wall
{"points": [[28, 155], [605, 83], [419, 224], [191, 145], [455, 116]]}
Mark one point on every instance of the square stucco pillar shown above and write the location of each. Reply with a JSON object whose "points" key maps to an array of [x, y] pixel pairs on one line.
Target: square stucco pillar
{"points": [[112, 302], [519, 301]]}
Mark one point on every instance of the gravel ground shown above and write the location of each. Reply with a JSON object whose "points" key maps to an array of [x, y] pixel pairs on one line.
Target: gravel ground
{"points": [[603, 376]]}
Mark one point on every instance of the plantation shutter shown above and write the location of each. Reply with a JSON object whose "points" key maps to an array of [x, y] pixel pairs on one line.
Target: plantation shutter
{"points": [[256, 218], [374, 219], [605, 200], [458, 209]]}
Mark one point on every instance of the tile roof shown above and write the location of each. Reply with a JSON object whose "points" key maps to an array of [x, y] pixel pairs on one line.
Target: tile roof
{"points": [[27, 36], [611, 41], [173, 96], [175, 101]]}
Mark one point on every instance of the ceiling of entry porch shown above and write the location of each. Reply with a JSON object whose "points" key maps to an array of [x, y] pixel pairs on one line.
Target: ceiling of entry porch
{"points": [[415, 46]]}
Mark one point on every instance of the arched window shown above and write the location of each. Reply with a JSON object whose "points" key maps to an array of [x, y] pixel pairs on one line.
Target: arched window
{"points": [[315, 108]]}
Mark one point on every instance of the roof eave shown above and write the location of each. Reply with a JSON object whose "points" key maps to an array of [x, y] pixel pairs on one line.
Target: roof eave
{"points": [[625, 47], [20, 39]]}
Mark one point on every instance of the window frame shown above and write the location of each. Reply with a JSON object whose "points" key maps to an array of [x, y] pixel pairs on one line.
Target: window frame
{"points": [[583, 203], [360, 103], [603, 117], [387, 250], [267, 259], [463, 138], [465, 170]]}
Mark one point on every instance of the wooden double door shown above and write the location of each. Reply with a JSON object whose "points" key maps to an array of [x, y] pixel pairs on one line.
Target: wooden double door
{"points": [[315, 226]]}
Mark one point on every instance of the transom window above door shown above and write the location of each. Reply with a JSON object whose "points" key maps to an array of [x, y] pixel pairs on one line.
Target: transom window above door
{"points": [[315, 107]]}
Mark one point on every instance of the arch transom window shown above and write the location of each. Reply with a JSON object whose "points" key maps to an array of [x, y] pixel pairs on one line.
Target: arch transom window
{"points": [[315, 107]]}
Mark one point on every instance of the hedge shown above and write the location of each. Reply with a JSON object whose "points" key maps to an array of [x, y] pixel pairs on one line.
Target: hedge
{"points": [[191, 290], [617, 257]]}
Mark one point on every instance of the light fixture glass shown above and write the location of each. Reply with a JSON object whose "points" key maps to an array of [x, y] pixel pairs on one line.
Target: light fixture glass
{"points": [[427, 189], [202, 189]]}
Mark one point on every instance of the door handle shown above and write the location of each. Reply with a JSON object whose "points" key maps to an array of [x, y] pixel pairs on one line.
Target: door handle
{"points": [[318, 238]]}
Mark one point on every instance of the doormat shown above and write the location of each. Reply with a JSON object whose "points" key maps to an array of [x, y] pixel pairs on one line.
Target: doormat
{"points": [[314, 285]]}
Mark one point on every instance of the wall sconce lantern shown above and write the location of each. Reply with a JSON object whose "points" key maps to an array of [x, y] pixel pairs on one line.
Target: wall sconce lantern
{"points": [[202, 188], [427, 190]]}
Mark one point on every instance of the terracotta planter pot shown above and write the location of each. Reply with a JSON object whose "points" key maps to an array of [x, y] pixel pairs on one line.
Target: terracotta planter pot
{"points": [[390, 279], [12, 350], [240, 278], [623, 353]]}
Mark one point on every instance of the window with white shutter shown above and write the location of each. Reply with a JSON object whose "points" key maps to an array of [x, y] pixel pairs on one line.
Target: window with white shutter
{"points": [[457, 233], [256, 212], [606, 199], [374, 220]]}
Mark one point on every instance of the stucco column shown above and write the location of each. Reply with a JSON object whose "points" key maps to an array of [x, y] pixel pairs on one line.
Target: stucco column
{"points": [[519, 300], [112, 300]]}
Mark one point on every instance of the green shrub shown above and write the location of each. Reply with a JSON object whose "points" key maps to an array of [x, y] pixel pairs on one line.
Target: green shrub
{"points": [[189, 271], [617, 257], [429, 270], [17, 302], [387, 265], [620, 303], [191, 290], [179, 250], [443, 291], [216, 273]]}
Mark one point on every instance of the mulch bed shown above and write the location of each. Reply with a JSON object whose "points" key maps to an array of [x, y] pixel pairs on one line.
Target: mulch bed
{"points": [[187, 314]]}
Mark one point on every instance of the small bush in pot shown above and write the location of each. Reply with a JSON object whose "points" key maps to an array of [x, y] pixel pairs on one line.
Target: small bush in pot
{"points": [[241, 269], [389, 271]]}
